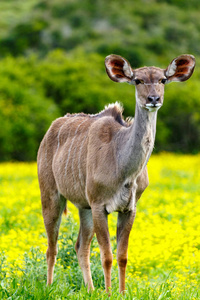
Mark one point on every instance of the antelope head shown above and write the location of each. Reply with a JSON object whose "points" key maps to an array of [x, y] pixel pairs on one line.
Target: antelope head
{"points": [[149, 81]]}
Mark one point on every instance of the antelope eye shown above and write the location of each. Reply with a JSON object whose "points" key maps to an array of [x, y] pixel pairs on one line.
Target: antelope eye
{"points": [[138, 81], [163, 80]]}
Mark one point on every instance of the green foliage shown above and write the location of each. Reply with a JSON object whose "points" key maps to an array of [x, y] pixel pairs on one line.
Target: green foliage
{"points": [[28, 86], [33, 92], [178, 126], [164, 28], [25, 113]]}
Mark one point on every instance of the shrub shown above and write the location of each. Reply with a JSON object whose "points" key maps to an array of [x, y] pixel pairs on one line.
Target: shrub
{"points": [[34, 91], [25, 113]]}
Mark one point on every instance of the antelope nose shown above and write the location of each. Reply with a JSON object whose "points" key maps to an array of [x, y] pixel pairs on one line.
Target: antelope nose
{"points": [[153, 99]]}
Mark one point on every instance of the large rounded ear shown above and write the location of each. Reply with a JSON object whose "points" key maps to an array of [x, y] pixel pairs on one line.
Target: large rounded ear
{"points": [[181, 68], [118, 68]]}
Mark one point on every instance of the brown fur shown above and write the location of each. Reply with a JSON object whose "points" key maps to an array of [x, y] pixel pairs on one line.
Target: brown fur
{"points": [[98, 162]]}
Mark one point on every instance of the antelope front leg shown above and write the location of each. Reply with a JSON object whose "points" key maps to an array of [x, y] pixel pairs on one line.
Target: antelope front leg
{"points": [[82, 247], [124, 225], [101, 229]]}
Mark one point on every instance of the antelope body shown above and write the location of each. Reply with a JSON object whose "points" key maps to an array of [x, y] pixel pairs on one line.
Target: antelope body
{"points": [[98, 162]]}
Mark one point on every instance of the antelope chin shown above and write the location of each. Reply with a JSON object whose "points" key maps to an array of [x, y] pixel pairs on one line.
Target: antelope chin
{"points": [[153, 107]]}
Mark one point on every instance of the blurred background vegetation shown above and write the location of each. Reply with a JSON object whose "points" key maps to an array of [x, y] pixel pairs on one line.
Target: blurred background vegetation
{"points": [[52, 62]]}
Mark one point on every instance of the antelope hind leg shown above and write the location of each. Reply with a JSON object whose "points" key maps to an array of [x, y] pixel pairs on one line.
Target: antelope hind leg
{"points": [[52, 209]]}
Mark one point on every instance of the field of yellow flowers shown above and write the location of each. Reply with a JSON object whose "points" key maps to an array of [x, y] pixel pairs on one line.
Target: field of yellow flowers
{"points": [[164, 247]]}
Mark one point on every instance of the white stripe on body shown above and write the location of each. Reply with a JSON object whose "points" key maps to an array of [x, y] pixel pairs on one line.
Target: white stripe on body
{"points": [[74, 154], [81, 177], [46, 161], [58, 138], [73, 120], [69, 151]]}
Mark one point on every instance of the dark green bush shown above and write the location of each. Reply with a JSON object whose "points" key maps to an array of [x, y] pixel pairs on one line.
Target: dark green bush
{"points": [[78, 82], [34, 91], [25, 113], [179, 119], [143, 31]]}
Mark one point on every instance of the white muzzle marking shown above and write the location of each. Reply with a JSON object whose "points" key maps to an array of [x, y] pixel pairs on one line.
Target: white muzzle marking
{"points": [[153, 107]]}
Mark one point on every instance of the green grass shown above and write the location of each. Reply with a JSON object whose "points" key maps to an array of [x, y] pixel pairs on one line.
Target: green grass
{"points": [[68, 283]]}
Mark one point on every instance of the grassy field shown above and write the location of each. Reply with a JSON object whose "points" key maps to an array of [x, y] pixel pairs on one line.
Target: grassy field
{"points": [[164, 248]]}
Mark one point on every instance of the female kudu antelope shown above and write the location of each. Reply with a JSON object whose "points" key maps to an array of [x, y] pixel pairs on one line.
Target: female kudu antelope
{"points": [[99, 161]]}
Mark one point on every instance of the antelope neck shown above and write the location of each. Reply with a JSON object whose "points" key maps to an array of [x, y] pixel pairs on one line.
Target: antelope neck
{"points": [[137, 142]]}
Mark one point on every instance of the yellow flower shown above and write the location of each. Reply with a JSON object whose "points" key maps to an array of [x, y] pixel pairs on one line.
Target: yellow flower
{"points": [[165, 234]]}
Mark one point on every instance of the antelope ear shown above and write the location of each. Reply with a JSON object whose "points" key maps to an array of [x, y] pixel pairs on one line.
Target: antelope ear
{"points": [[181, 68], [118, 68]]}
